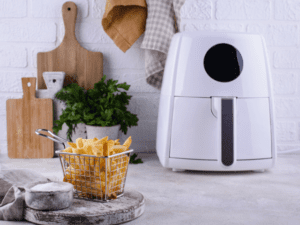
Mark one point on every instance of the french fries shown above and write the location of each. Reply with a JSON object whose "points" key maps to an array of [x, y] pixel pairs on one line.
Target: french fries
{"points": [[90, 175]]}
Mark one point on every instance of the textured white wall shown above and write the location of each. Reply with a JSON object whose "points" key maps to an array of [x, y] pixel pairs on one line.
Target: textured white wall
{"points": [[31, 26], [278, 21]]}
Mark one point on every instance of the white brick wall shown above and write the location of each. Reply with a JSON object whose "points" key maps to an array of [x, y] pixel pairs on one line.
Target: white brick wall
{"points": [[13, 57], [52, 8], [242, 10], [13, 8], [31, 26], [278, 22], [27, 32]]}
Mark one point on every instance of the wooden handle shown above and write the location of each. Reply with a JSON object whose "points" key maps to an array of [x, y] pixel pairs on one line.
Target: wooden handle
{"points": [[28, 84], [69, 11]]}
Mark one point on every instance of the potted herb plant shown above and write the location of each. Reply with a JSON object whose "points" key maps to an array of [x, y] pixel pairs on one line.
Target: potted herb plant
{"points": [[102, 109]]}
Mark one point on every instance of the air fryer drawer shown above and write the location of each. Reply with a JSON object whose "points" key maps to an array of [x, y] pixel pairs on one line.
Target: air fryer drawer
{"points": [[253, 128], [194, 129]]}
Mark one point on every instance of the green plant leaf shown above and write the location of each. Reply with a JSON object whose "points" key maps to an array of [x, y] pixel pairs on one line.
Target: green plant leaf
{"points": [[104, 105], [88, 116], [125, 86], [137, 161], [133, 159]]}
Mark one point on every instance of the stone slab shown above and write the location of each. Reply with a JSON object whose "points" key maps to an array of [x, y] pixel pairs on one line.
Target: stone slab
{"points": [[128, 207], [197, 197]]}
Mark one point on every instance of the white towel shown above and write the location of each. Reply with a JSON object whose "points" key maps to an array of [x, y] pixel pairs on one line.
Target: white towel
{"points": [[163, 21]]}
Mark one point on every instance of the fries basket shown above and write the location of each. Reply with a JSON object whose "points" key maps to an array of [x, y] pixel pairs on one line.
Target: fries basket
{"points": [[95, 178]]}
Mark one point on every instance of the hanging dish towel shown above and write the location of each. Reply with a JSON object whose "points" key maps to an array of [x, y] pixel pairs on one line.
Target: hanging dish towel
{"points": [[163, 22], [124, 21]]}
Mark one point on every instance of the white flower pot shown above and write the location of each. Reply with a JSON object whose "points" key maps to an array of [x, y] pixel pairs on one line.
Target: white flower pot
{"points": [[101, 132], [80, 132]]}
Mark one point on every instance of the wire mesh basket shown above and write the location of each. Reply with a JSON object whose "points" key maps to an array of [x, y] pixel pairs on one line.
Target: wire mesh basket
{"points": [[95, 178]]}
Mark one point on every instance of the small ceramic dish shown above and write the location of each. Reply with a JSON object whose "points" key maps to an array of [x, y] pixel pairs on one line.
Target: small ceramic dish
{"points": [[49, 196]]}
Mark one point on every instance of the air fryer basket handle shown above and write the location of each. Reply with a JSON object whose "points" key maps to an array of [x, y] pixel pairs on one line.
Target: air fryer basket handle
{"points": [[224, 109], [54, 137], [227, 131]]}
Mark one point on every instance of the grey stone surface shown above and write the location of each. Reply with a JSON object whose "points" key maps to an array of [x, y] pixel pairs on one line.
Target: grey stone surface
{"points": [[195, 197]]}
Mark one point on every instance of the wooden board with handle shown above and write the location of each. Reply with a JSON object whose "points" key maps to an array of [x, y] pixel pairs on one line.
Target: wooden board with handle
{"points": [[80, 65], [24, 116]]}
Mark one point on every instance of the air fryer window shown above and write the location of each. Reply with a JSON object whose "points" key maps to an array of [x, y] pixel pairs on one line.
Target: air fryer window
{"points": [[223, 62]]}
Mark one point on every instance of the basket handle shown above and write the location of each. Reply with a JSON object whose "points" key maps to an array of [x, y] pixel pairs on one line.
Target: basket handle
{"points": [[55, 138]]}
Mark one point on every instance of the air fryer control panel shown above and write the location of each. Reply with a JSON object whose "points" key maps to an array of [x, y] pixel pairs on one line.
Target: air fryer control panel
{"points": [[223, 62], [214, 66]]}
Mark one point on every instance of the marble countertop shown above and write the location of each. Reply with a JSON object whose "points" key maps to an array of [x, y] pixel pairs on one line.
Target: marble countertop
{"points": [[194, 197]]}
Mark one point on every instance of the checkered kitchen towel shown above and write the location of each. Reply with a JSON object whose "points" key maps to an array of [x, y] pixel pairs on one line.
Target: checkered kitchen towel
{"points": [[163, 21]]}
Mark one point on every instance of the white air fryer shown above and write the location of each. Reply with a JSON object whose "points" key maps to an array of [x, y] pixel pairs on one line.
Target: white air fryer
{"points": [[216, 106]]}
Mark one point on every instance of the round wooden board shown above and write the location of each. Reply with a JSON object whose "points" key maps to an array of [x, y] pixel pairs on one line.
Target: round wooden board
{"points": [[128, 207]]}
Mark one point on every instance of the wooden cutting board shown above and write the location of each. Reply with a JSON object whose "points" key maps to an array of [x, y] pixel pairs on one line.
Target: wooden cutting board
{"points": [[24, 116], [80, 65]]}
